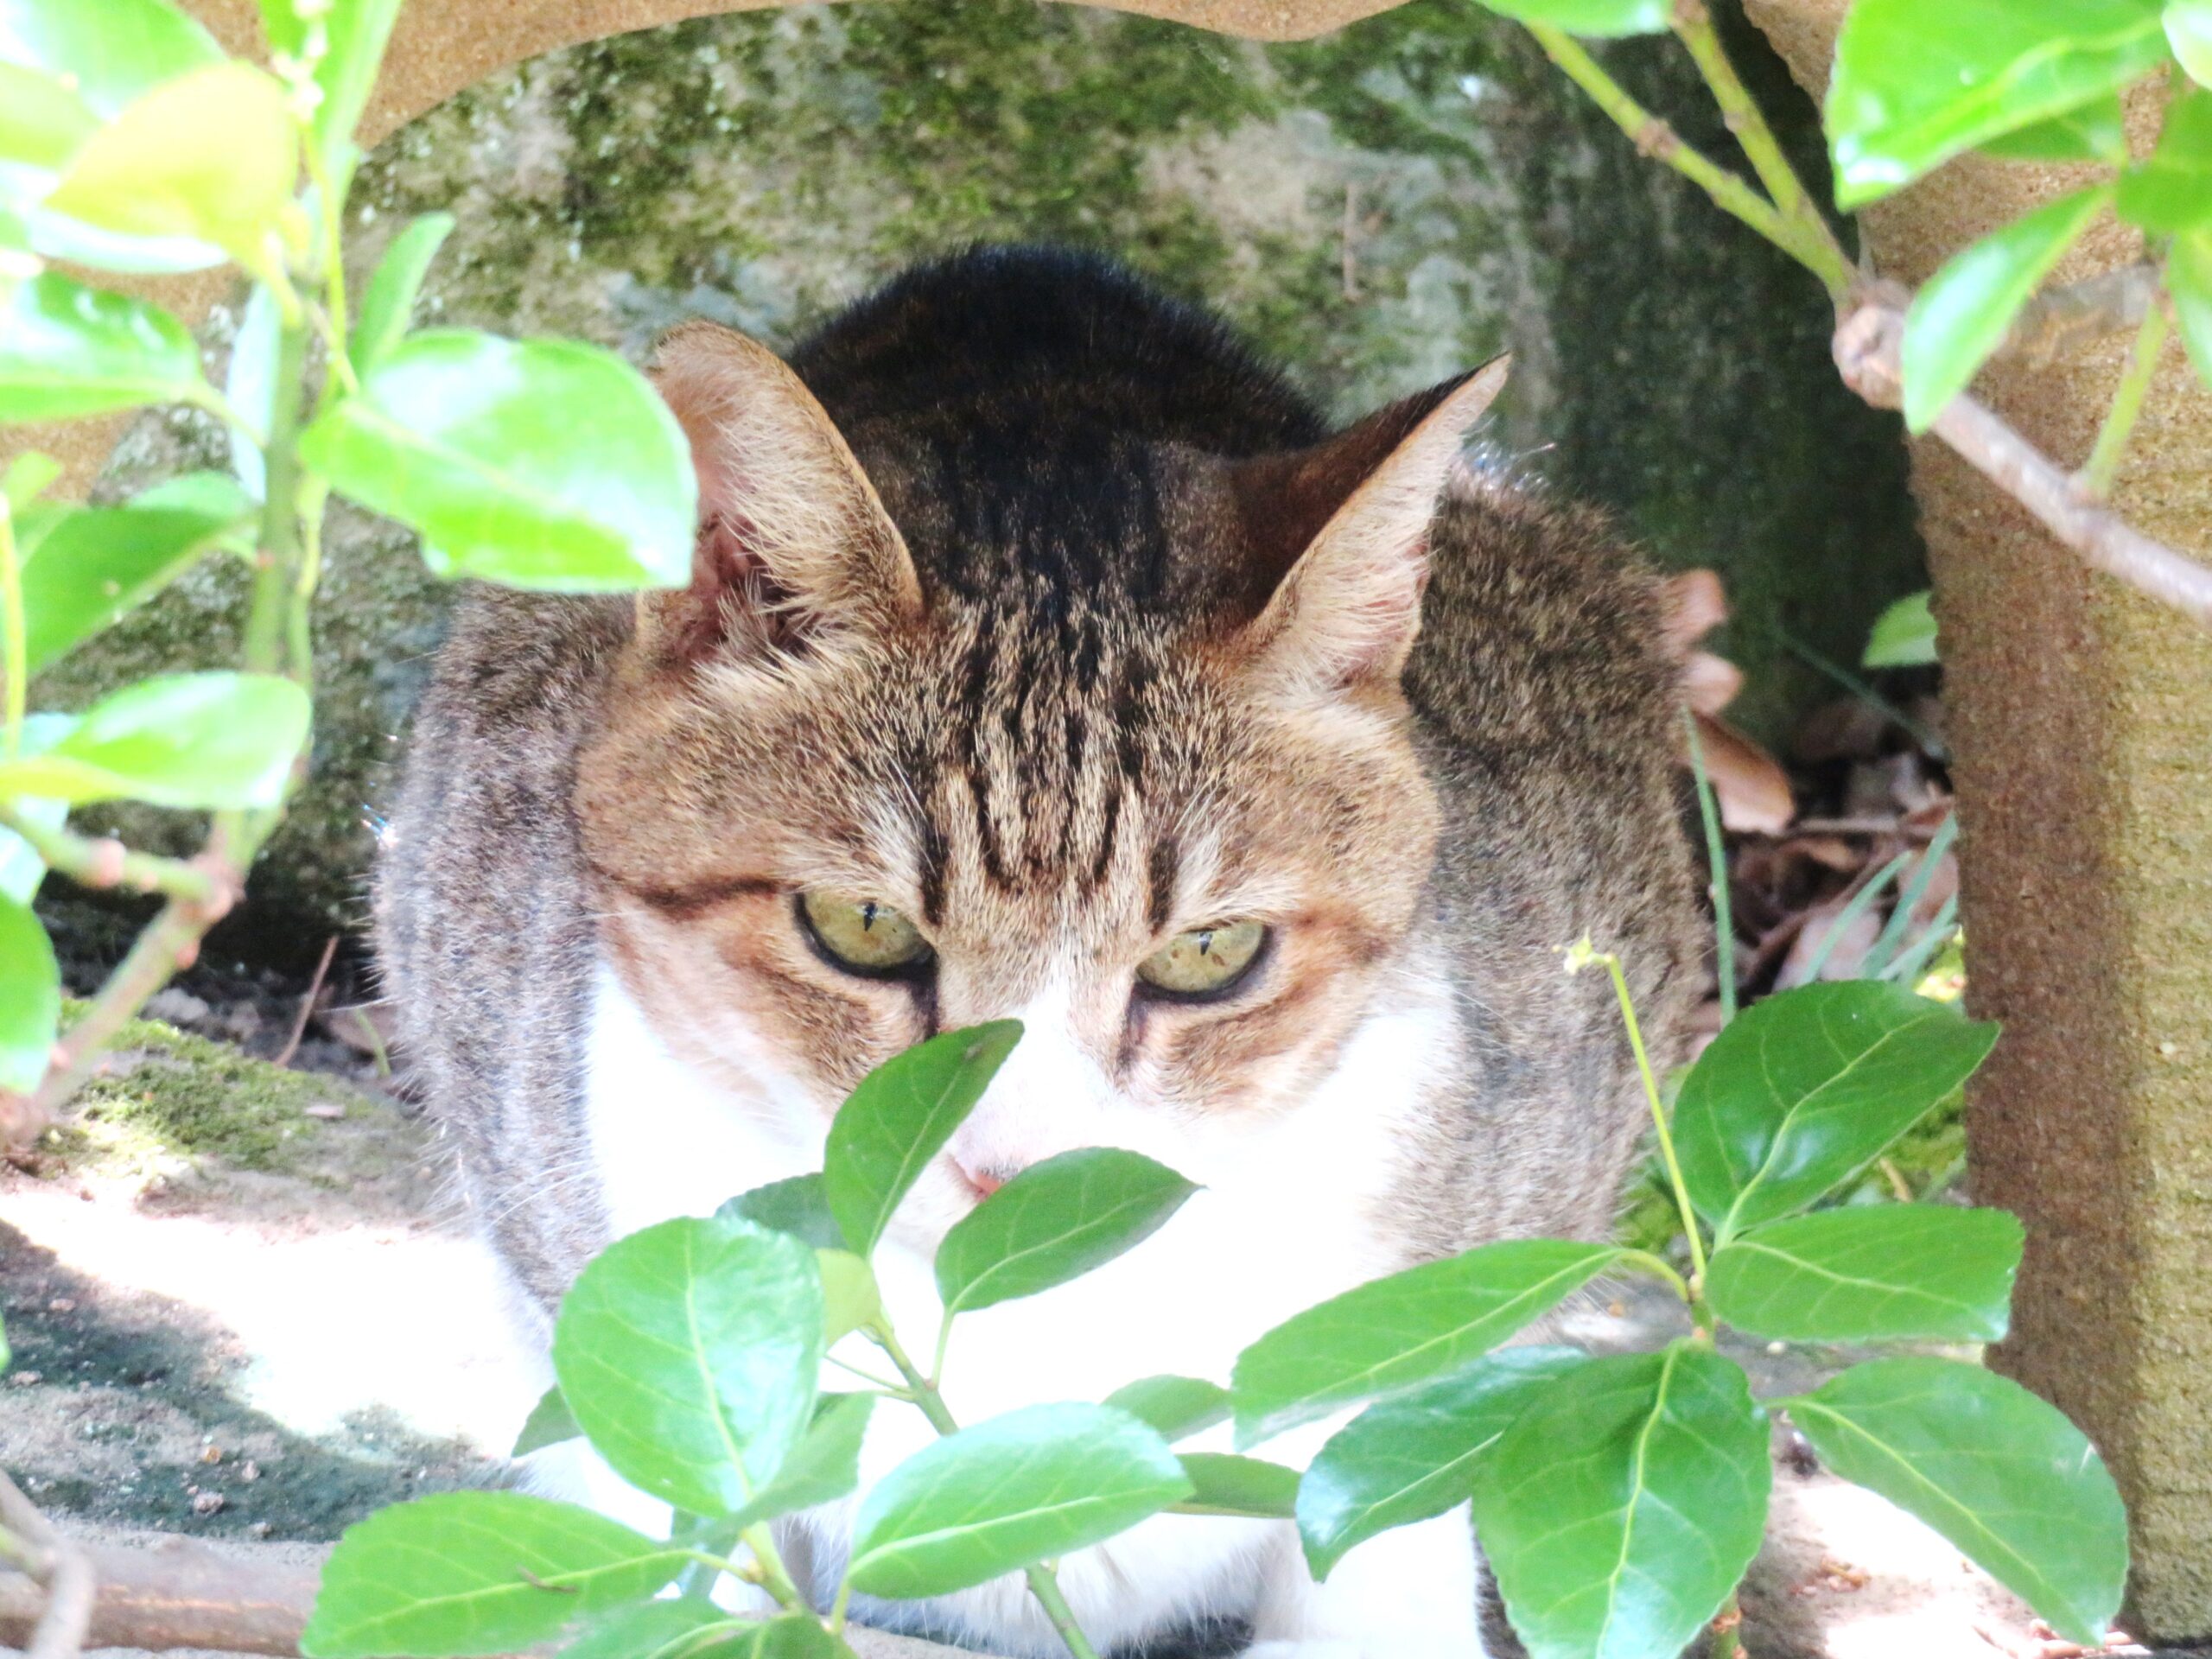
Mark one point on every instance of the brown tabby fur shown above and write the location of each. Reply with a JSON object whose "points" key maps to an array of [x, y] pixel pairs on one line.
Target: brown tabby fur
{"points": [[1042, 659]]}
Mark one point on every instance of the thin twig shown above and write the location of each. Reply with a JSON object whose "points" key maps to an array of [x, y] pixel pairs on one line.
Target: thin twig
{"points": [[1812, 241], [306, 1004], [69, 1579], [105, 862], [1867, 348]]}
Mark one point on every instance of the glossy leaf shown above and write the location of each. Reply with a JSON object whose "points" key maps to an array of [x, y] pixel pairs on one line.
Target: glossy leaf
{"points": [[1903, 635], [356, 31], [1879, 1273], [2095, 132], [2189, 32], [1177, 1407], [2171, 191], [475, 1572], [1602, 18], [212, 157], [1622, 1506], [1998, 1473], [1222, 1484], [1032, 1485], [850, 1297], [1396, 1333], [30, 997], [796, 1207], [1915, 83], [1410, 1458], [822, 1468], [549, 1422], [659, 1630], [1803, 1091], [195, 740], [541, 464], [388, 302], [112, 53], [92, 566], [2189, 281], [42, 126], [1960, 313], [68, 350], [689, 1353], [900, 1117], [27, 477], [1053, 1222]]}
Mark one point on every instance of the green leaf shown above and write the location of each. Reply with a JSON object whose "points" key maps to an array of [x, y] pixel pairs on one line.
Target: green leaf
{"points": [[2189, 280], [1882, 1273], [822, 1468], [2095, 132], [849, 1296], [1996, 1471], [27, 477], [549, 1422], [2189, 32], [1960, 313], [1177, 1407], [797, 1206], [30, 997], [213, 157], [21, 868], [1904, 634], [542, 464], [1410, 1458], [1803, 1091], [388, 302], [1915, 83], [900, 1117], [42, 126], [2171, 191], [1604, 18], [1622, 1506], [689, 1353], [475, 1572], [1026, 1487], [356, 31], [195, 740], [1222, 1484], [112, 54], [1396, 1333], [1053, 1222], [68, 350], [695, 1629], [250, 385], [94, 565]]}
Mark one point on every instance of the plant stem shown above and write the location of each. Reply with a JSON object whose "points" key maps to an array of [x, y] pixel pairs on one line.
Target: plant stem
{"points": [[775, 1577], [1726, 1644], [12, 645], [2103, 466], [1583, 953], [107, 863], [276, 560], [333, 272], [1716, 859], [1044, 1583], [1656, 138], [1812, 242]]}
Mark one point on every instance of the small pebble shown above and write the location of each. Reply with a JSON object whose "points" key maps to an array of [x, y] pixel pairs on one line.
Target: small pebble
{"points": [[211, 1453], [249, 1470], [62, 1305], [25, 1379], [208, 1504]]}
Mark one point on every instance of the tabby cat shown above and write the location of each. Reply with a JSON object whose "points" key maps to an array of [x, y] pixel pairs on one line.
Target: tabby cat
{"points": [[1046, 657]]}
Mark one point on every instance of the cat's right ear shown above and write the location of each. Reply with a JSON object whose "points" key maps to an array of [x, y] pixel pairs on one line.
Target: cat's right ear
{"points": [[794, 546]]}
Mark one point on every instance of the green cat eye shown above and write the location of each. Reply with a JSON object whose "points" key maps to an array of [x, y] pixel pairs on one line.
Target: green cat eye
{"points": [[862, 935], [1204, 959]]}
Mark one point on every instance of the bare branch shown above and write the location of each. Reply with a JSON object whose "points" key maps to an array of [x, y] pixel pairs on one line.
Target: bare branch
{"points": [[68, 1573], [179, 1595], [1867, 353], [2059, 321]]}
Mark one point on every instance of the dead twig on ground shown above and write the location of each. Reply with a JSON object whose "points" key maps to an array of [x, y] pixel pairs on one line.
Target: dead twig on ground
{"points": [[64, 1578], [307, 1003]]}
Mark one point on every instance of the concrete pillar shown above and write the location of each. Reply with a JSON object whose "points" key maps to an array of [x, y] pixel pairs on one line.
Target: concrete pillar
{"points": [[2081, 716]]}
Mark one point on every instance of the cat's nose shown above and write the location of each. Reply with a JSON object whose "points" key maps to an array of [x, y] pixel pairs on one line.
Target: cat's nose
{"points": [[985, 1179]]}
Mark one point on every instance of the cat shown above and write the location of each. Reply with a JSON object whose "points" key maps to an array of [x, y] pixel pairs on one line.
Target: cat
{"points": [[1047, 656]]}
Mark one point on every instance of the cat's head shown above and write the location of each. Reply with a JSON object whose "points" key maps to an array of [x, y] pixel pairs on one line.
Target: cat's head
{"points": [[957, 723]]}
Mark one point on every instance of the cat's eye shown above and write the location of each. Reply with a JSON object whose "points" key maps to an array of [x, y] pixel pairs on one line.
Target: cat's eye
{"points": [[1204, 960], [861, 935]]}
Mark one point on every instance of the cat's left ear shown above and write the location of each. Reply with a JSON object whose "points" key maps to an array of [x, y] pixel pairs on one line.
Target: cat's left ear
{"points": [[1346, 523], [793, 542]]}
